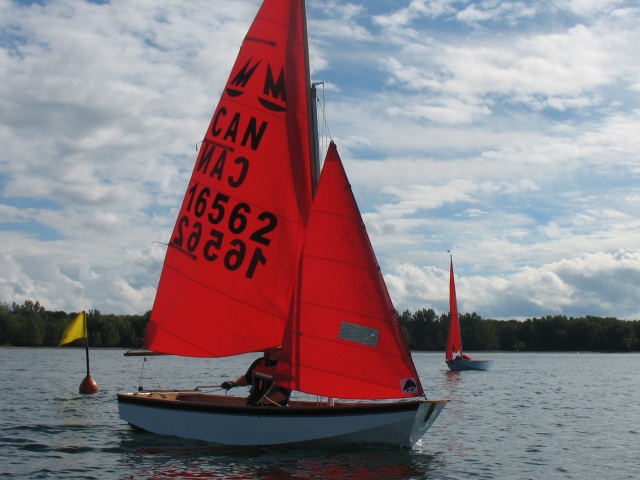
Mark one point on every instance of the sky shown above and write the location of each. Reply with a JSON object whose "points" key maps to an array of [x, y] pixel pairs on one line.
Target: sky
{"points": [[507, 132]]}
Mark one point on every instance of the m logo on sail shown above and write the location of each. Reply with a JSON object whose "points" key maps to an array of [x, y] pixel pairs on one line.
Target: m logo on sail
{"points": [[274, 92], [241, 79]]}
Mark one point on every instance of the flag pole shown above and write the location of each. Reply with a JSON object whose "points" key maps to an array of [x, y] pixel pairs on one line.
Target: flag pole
{"points": [[86, 345], [77, 330], [88, 385]]}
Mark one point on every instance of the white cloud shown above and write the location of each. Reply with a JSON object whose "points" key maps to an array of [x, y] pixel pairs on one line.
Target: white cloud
{"points": [[505, 131], [569, 286]]}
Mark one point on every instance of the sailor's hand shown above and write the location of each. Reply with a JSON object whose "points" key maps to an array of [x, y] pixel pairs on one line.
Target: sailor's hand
{"points": [[227, 385]]}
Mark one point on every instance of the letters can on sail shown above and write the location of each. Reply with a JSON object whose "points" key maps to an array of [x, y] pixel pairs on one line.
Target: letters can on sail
{"points": [[233, 254]]}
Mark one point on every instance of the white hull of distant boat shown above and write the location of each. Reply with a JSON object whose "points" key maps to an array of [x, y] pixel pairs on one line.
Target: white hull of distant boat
{"points": [[457, 365], [226, 420], [454, 341]]}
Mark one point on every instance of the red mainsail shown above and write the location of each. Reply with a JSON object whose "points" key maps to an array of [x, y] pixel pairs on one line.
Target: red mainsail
{"points": [[344, 339], [454, 344], [232, 260]]}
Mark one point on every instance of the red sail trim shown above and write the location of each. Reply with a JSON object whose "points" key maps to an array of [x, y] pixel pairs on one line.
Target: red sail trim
{"points": [[226, 286], [454, 343], [344, 339]]}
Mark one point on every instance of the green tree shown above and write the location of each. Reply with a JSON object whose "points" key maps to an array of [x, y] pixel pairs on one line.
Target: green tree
{"points": [[26, 324], [30, 324], [422, 329], [509, 336]]}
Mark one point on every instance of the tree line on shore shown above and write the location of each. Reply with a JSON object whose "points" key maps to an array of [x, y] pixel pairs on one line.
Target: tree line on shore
{"points": [[31, 325]]}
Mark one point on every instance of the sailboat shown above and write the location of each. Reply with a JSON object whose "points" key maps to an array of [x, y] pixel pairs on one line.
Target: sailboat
{"points": [[457, 360], [269, 250]]}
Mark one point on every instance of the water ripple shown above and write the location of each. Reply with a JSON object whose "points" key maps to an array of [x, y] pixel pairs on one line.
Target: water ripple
{"points": [[524, 419]]}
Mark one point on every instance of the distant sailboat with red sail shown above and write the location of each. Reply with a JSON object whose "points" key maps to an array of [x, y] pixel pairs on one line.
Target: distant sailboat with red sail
{"points": [[267, 252], [457, 360]]}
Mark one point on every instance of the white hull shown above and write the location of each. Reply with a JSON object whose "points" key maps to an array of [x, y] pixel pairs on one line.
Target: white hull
{"points": [[226, 420], [458, 365]]}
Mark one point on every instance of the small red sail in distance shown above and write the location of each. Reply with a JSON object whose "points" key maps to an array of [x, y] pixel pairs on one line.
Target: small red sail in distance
{"points": [[344, 339], [232, 259], [454, 343]]}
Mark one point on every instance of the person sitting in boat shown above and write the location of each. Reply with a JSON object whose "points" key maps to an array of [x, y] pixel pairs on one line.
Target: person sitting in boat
{"points": [[263, 391]]}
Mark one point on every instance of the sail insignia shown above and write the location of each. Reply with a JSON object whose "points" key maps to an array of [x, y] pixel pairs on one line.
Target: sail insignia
{"points": [[359, 334], [409, 386]]}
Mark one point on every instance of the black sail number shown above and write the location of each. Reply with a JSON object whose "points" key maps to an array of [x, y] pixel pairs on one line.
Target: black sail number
{"points": [[183, 224], [213, 245], [218, 208], [200, 200], [194, 237], [216, 232], [261, 235], [235, 256], [238, 218]]}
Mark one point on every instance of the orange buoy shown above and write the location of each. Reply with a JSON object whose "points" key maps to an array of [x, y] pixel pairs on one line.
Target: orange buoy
{"points": [[88, 385]]}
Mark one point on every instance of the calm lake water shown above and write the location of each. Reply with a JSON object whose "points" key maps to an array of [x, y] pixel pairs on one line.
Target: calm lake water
{"points": [[533, 416]]}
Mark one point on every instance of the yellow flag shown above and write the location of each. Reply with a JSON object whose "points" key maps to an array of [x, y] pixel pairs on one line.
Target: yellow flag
{"points": [[75, 330]]}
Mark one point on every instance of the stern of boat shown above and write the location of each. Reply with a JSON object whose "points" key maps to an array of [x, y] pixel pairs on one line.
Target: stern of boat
{"points": [[426, 415], [458, 365]]}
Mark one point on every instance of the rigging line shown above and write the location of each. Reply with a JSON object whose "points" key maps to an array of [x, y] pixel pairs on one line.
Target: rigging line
{"points": [[140, 388], [326, 135]]}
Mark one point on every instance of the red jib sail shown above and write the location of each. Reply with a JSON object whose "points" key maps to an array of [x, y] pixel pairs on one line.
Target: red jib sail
{"points": [[454, 344], [232, 260], [344, 339]]}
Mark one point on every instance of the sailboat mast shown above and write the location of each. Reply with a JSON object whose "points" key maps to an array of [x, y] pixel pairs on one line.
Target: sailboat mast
{"points": [[314, 147], [86, 341], [312, 96], [454, 342], [314, 142]]}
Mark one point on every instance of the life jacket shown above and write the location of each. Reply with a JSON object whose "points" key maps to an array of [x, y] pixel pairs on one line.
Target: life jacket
{"points": [[262, 380], [263, 374]]}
